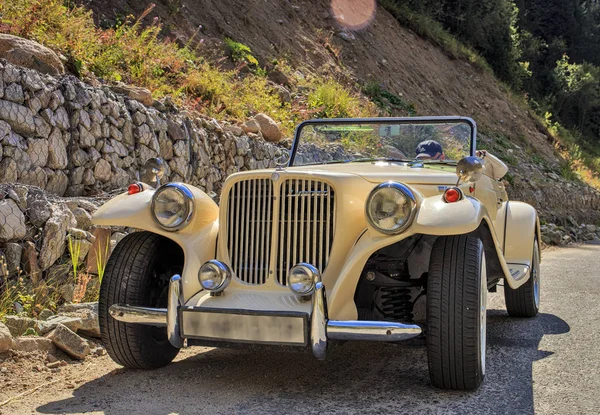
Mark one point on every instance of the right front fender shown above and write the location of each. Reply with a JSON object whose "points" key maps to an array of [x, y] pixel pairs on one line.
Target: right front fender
{"points": [[197, 240]]}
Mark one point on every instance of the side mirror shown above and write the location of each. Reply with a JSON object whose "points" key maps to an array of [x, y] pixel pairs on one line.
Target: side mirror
{"points": [[153, 171], [469, 169]]}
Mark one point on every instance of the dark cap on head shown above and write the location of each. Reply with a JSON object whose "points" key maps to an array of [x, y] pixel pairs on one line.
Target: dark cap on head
{"points": [[429, 148]]}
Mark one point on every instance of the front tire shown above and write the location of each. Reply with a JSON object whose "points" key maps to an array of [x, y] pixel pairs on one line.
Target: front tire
{"points": [[456, 313], [525, 300], [137, 274]]}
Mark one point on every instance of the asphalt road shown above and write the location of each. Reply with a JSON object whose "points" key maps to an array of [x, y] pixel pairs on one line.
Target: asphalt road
{"points": [[546, 365]]}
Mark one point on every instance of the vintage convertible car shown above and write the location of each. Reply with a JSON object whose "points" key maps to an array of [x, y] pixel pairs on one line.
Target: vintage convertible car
{"points": [[381, 229]]}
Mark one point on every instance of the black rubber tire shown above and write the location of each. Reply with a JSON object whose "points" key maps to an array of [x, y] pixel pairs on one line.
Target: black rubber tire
{"points": [[522, 301], [454, 301], [130, 278]]}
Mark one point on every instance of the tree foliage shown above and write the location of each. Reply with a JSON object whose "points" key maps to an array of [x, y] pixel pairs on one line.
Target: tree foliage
{"points": [[549, 49]]}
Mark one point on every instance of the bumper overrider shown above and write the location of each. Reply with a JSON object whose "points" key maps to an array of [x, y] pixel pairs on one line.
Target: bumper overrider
{"points": [[260, 327]]}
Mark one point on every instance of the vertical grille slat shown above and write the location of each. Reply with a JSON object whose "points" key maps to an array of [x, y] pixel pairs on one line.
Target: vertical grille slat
{"points": [[307, 209], [250, 215], [304, 233]]}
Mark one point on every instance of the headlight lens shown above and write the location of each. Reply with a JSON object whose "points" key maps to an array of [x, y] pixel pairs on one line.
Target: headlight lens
{"points": [[172, 206], [302, 278], [390, 207], [214, 276]]}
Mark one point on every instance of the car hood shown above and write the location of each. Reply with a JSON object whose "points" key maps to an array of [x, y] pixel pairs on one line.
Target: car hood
{"points": [[377, 172]]}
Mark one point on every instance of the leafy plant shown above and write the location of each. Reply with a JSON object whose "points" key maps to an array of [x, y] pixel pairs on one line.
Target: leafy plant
{"points": [[74, 253], [388, 101], [101, 259], [330, 100], [240, 52]]}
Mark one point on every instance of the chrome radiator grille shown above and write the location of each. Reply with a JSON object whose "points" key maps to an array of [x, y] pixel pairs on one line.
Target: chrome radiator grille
{"points": [[250, 219], [306, 222], [303, 228]]}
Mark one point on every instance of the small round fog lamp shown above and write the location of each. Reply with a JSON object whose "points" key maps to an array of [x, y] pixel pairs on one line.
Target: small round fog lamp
{"points": [[302, 278], [214, 276]]}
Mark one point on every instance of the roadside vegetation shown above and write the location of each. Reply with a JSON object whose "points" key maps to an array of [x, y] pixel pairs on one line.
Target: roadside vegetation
{"points": [[546, 52], [133, 52], [29, 294]]}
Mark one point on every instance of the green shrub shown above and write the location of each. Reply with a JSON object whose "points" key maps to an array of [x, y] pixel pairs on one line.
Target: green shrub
{"points": [[240, 52], [329, 99], [386, 100]]}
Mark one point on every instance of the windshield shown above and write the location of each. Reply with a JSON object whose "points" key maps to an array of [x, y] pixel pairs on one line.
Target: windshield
{"points": [[429, 140]]}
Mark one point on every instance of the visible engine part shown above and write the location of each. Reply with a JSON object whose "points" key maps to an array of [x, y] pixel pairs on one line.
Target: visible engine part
{"points": [[386, 290]]}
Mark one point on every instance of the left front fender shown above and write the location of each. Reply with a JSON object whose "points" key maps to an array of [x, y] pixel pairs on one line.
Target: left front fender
{"points": [[436, 217]]}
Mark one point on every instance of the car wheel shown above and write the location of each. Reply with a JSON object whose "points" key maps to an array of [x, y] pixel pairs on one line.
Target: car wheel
{"points": [[456, 312], [525, 300], [137, 274]]}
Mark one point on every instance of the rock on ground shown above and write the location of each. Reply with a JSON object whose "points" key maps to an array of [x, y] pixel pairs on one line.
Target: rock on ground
{"points": [[33, 344], [142, 95], [73, 323], [268, 127], [19, 325], [5, 338], [87, 313], [30, 54], [69, 342]]}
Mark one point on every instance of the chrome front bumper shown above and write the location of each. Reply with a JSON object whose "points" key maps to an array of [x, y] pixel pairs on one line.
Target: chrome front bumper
{"points": [[320, 329]]}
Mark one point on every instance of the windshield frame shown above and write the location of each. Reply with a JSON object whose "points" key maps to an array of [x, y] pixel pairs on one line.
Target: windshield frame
{"points": [[384, 120]]}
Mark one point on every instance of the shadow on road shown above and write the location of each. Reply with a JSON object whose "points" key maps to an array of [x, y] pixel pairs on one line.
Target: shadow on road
{"points": [[360, 378]]}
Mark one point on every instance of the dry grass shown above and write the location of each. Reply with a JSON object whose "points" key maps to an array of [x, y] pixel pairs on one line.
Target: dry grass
{"points": [[135, 52]]}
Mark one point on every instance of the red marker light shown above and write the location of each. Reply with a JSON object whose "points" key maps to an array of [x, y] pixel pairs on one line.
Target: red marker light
{"points": [[452, 195], [134, 188]]}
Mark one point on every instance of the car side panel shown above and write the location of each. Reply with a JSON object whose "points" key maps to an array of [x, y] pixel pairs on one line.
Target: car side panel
{"points": [[435, 217], [522, 225]]}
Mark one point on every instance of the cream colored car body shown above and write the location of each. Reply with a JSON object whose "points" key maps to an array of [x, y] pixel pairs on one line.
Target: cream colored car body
{"points": [[507, 228]]}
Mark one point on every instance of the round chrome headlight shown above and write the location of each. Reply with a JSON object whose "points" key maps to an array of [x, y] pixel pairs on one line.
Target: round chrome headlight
{"points": [[302, 278], [214, 276], [172, 206], [390, 207]]}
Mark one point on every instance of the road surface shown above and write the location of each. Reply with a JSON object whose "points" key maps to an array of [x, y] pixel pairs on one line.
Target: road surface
{"points": [[546, 365]]}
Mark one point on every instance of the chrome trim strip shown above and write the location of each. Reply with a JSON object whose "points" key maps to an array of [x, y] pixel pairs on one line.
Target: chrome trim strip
{"points": [[175, 300], [318, 322], [139, 315], [371, 330]]}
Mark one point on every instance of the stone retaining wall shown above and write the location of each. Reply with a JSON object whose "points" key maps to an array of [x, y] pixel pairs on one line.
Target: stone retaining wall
{"points": [[71, 139]]}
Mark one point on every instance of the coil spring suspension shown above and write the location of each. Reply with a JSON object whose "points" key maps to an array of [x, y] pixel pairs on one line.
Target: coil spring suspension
{"points": [[396, 303]]}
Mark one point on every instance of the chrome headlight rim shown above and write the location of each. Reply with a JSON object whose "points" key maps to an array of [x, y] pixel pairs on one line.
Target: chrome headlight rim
{"points": [[313, 273], [222, 269], [407, 192], [189, 205]]}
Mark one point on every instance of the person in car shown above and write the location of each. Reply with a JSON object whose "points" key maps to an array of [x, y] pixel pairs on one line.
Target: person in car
{"points": [[430, 150]]}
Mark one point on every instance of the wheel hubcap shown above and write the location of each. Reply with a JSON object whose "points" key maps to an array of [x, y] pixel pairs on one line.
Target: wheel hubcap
{"points": [[482, 314]]}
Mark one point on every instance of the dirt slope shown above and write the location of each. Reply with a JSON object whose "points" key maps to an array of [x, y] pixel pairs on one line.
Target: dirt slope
{"points": [[383, 51], [309, 36]]}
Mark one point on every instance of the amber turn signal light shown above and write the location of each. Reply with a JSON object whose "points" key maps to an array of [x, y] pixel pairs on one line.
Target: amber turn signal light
{"points": [[134, 188], [453, 194]]}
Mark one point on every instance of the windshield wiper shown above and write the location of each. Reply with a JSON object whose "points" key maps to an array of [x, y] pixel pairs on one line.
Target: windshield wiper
{"points": [[433, 162], [369, 159]]}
